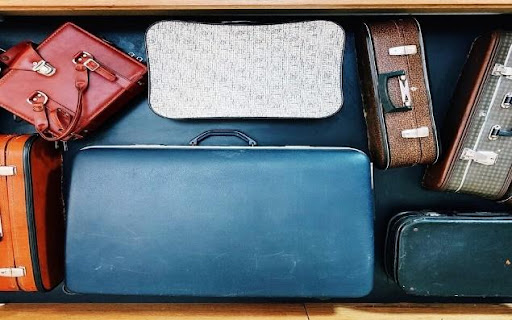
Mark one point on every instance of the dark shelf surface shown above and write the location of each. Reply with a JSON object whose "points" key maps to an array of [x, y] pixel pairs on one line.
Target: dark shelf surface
{"points": [[447, 41]]}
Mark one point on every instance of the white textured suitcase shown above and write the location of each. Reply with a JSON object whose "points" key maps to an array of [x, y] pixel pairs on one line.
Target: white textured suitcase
{"points": [[242, 70]]}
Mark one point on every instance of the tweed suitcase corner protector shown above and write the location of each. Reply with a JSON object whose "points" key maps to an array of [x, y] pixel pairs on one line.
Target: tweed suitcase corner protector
{"points": [[221, 222]]}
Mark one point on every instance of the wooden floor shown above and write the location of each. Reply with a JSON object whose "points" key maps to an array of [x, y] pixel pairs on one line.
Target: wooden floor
{"points": [[254, 311], [160, 6]]}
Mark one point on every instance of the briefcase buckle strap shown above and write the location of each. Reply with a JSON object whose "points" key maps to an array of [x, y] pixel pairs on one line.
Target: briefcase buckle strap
{"points": [[88, 61], [487, 158]]}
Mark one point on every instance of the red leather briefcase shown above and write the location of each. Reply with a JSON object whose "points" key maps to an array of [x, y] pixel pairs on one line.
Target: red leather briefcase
{"points": [[69, 84]]}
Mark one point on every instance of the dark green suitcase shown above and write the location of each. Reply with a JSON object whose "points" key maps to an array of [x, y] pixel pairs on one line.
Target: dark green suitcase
{"points": [[450, 255]]}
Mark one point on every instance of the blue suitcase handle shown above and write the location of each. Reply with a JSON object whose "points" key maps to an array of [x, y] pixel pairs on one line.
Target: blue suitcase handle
{"points": [[222, 133]]}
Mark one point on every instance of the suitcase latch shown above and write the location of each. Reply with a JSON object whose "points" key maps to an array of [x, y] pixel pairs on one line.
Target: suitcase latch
{"points": [[420, 132], [497, 131], [7, 170], [403, 50], [501, 70], [487, 158], [12, 272], [44, 68]]}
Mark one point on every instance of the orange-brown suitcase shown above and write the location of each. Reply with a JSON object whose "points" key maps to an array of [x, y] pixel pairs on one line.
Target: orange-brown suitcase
{"points": [[31, 214]]}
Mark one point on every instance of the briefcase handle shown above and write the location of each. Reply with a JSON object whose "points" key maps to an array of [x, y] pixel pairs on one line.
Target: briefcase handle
{"points": [[222, 133]]}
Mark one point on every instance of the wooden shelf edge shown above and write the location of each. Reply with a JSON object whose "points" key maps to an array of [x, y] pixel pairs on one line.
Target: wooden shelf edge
{"points": [[311, 311], [163, 6]]}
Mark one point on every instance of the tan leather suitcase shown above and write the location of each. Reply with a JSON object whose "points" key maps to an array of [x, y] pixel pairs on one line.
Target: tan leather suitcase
{"points": [[478, 141], [31, 213], [396, 94]]}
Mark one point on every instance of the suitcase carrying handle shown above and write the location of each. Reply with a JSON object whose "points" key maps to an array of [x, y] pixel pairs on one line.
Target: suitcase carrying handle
{"points": [[222, 133], [405, 92]]}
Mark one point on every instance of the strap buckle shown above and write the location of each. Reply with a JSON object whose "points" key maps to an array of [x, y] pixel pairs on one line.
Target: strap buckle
{"points": [[487, 158], [87, 60], [38, 96], [44, 68]]}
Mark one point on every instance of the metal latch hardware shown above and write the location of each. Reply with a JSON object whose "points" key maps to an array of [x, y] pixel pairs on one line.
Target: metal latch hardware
{"points": [[507, 101], [501, 70], [13, 272], [497, 132], [7, 170], [44, 68], [420, 132], [403, 50], [487, 158], [1, 229]]}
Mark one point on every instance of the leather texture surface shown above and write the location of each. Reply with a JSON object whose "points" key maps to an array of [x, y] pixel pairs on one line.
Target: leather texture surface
{"points": [[478, 100], [33, 213], [461, 255], [221, 222], [245, 70], [6, 247], [447, 43], [103, 94], [387, 145]]}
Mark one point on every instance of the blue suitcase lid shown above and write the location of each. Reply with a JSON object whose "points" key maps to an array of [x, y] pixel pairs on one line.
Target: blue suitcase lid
{"points": [[220, 222]]}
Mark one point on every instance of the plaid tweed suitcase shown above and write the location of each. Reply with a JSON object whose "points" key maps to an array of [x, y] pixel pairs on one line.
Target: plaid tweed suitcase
{"points": [[478, 155]]}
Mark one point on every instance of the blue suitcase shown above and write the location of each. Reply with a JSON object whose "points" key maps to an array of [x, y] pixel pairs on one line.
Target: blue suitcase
{"points": [[213, 221]]}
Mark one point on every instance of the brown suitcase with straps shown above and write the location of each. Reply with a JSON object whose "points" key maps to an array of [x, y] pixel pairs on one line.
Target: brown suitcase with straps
{"points": [[31, 214], [396, 94]]}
